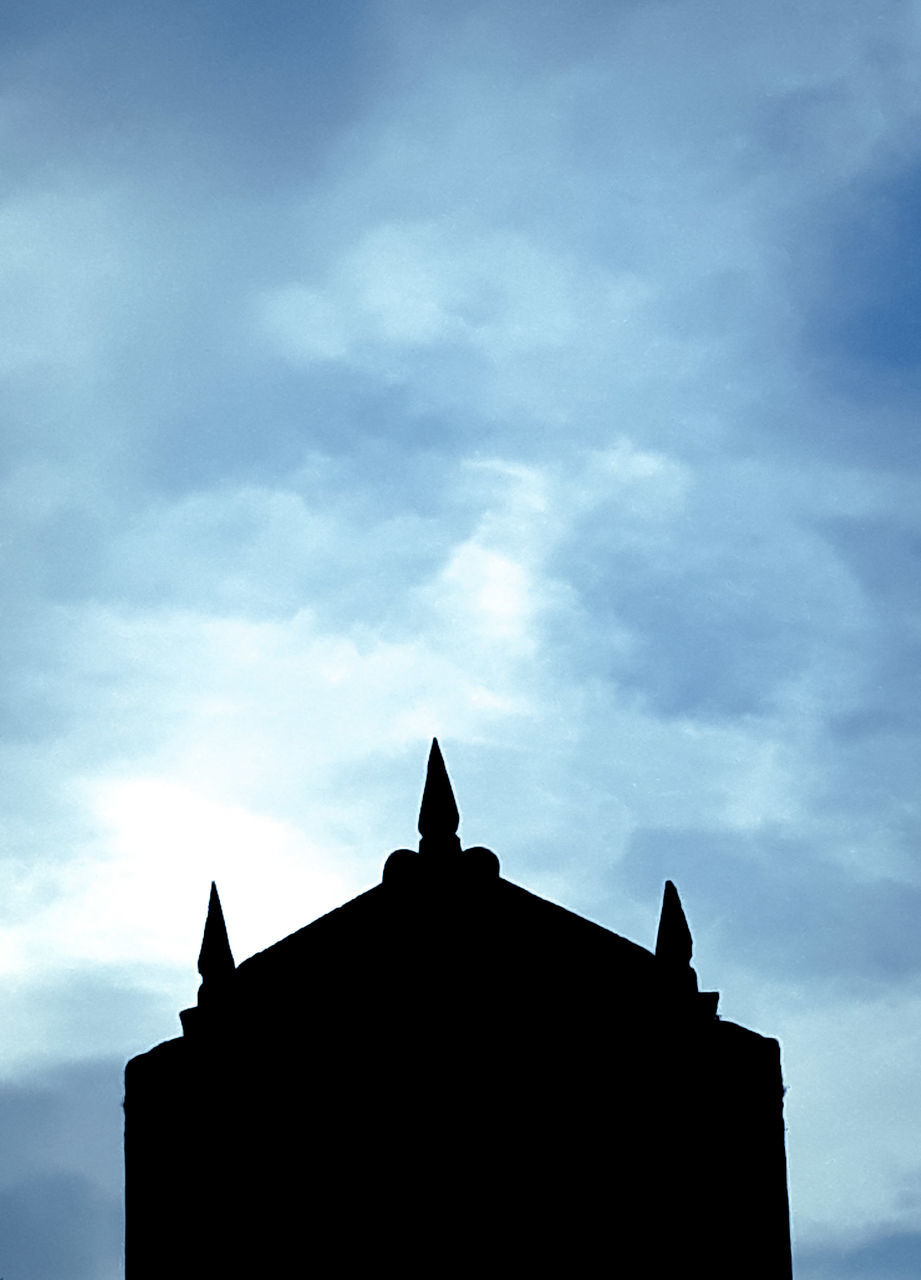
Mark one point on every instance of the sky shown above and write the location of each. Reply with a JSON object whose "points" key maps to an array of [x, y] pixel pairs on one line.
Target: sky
{"points": [[541, 376]]}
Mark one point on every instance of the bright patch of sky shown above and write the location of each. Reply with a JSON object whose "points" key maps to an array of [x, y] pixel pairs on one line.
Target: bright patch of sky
{"points": [[544, 377]]}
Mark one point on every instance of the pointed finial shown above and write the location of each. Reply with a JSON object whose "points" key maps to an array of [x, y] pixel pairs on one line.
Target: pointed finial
{"points": [[673, 943], [438, 816], [215, 960]]}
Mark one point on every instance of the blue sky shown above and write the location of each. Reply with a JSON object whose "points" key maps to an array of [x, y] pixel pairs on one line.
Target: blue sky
{"points": [[544, 377]]}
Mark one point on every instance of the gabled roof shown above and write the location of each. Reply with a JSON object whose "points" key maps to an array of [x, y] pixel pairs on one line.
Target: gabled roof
{"points": [[439, 914]]}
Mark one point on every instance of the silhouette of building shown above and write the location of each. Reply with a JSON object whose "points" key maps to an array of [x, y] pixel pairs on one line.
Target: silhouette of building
{"points": [[451, 1075]]}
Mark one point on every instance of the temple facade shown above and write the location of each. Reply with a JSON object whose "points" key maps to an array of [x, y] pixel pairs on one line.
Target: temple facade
{"points": [[450, 1074]]}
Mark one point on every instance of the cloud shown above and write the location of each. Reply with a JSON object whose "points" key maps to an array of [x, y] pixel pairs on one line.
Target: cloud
{"points": [[60, 1184], [772, 904], [884, 1256], [541, 379], [204, 93], [57, 1225]]}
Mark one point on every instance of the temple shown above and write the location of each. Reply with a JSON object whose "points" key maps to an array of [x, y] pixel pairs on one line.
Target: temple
{"points": [[450, 1074]]}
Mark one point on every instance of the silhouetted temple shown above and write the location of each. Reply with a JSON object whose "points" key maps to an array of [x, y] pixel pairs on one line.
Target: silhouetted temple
{"points": [[449, 1075]]}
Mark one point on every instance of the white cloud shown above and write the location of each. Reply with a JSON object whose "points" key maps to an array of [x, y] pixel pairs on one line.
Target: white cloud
{"points": [[61, 266], [305, 323], [527, 315], [854, 1131]]}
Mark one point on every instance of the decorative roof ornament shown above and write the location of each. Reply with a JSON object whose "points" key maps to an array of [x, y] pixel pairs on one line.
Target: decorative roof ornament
{"points": [[438, 815], [440, 860], [215, 960], [674, 944]]}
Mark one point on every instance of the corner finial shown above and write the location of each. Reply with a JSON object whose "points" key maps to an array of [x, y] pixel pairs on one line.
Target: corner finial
{"points": [[215, 960], [438, 815], [673, 942]]}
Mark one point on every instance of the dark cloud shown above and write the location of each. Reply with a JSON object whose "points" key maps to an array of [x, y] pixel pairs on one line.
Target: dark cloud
{"points": [[724, 601], [213, 93], [892, 1255], [734, 640], [854, 283], [66, 1117], [777, 908], [60, 1174], [58, 1227], [262, 424], [885, 556], [871, 315]]}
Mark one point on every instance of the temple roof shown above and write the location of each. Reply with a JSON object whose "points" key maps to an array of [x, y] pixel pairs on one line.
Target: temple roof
{"points": [[441, 912]]}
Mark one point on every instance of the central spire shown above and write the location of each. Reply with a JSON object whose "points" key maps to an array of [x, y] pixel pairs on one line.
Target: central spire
{"points": [[438, 815]]}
